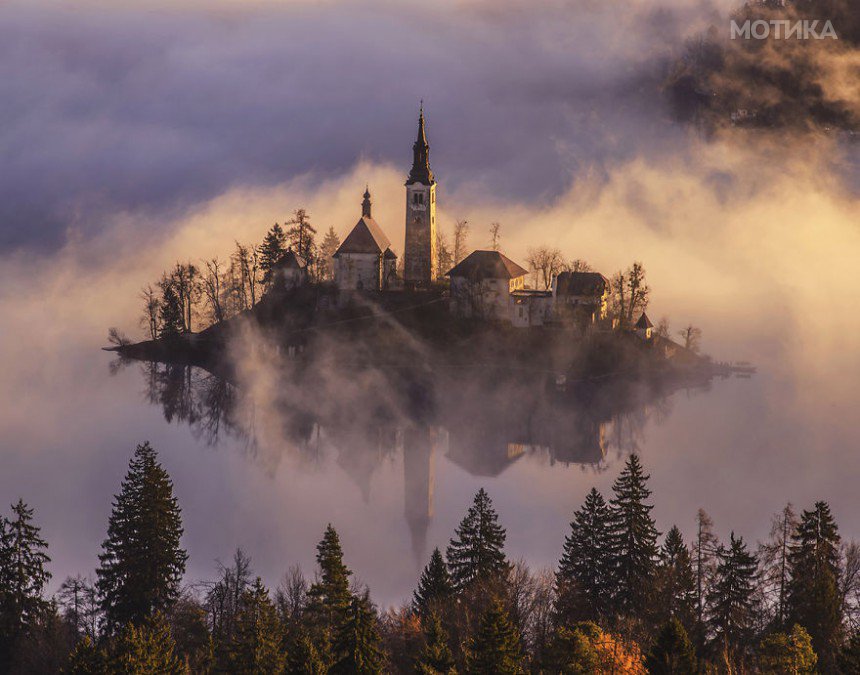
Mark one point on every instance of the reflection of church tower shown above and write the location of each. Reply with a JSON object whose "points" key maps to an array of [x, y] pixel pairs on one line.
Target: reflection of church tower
{"points": [[419, 257], [419, 484]]}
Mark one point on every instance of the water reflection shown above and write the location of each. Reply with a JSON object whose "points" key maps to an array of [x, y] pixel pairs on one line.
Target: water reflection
{"points": [[481, 428]]}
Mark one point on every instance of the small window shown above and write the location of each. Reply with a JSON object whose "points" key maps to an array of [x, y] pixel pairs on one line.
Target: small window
{"points": [[418, 198]]}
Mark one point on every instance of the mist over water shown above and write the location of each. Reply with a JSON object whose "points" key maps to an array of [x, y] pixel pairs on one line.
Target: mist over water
{"points": [[752, 236]]}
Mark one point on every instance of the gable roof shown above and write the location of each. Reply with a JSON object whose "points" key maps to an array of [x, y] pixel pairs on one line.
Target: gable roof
{"points": [[581, 283], [290, 260], [644, 322], [487, 265], [366, 237]]}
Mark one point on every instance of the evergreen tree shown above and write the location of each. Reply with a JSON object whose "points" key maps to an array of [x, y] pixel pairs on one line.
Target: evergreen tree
{"points": [[583, 585], [476, 553], [436, 657], [731, 597], [86, 659], [495, 647], [23, 578], [329, 597], [848, 662], [147, 649], [675, 584], [358, 645], [705, 549], [142, 563], [170, 311], [272, 250], [303, 657], [788, 653], [434, 586], [633, 539], [773, 557], [572, 651], [301, 236], [256, 646], [813, 595], [329, 246], [672, 653]]}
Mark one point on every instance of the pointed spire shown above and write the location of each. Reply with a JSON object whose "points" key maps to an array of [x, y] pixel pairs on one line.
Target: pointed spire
{"points": [[365, 205], [420, 172]]}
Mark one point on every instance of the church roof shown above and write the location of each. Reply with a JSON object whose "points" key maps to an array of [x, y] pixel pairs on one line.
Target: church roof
{"points": [[581, 283], [366, 237], [487, 265], [290, 260], [420, 171], [644, 322]]}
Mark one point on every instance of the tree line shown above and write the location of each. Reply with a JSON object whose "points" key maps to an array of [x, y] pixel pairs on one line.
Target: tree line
{"points": [[193, 295], [623, 598]]}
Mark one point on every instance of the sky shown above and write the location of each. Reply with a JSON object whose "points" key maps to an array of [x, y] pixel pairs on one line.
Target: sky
{"points": [[133, 135]]}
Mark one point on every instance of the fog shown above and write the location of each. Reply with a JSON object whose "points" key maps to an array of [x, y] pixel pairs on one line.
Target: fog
{"points": [[135, 137]]}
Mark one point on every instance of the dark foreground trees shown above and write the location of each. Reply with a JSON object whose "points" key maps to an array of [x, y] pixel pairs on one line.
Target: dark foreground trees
{"points": [[142, 562], [617, 603]]}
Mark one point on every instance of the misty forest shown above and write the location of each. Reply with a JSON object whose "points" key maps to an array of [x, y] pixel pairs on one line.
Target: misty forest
{"points": [[625, 597]]}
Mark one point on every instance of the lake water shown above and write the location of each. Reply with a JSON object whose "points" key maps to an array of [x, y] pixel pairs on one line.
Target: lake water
{"points": [[740, 448]]}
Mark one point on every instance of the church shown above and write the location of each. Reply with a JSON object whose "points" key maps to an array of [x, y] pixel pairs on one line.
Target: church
{"points": [[365, 260], [485, 284]]}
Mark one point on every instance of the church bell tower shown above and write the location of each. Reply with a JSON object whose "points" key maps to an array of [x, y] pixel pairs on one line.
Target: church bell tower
{"points": [[419, 257]]}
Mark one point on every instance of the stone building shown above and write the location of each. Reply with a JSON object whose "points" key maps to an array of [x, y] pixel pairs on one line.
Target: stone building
{"points": [[580, 299], [482, 284], [365, 261], [419, 254], [289, 272]]}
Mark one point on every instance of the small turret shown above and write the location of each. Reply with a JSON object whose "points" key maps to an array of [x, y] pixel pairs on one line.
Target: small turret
{"points": [[420, 172], [365, 205]]}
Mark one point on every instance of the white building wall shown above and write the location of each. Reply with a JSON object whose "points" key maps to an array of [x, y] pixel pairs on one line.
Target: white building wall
{"points": [[353, 271]]}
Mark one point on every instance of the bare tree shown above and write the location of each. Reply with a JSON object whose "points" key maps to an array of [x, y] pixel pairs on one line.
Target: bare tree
{"points": [[461, 233], [662, 328], [545, 264], [246, 259], [773, 556], [630, 294], [577, 265], [495, 236], [151, 305], [692, 337], [443, 254], [213, 281]]}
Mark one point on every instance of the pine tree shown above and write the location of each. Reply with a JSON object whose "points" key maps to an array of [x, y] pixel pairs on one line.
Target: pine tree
{"points": [[434, 586], [583, 587], [358, 645], [256, 645], [773, 555], [303, 657], [170, 311], [476, 553], [672, 653], [272, 250], [23, 578], [495, 647], [572, 650], [705, 549], [788, 653], [633, 540], [329, 246], [675, 583], [436, 657], [86, 659], [147, 649], [301, 236], [328, 598], [813, 596], [731, 598], [142, 563]]}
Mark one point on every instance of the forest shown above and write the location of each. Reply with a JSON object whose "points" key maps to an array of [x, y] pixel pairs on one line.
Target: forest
{"points": [[623, 598]]}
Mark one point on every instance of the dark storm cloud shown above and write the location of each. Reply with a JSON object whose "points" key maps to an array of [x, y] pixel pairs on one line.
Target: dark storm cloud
{"points": [[106, 111]]}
